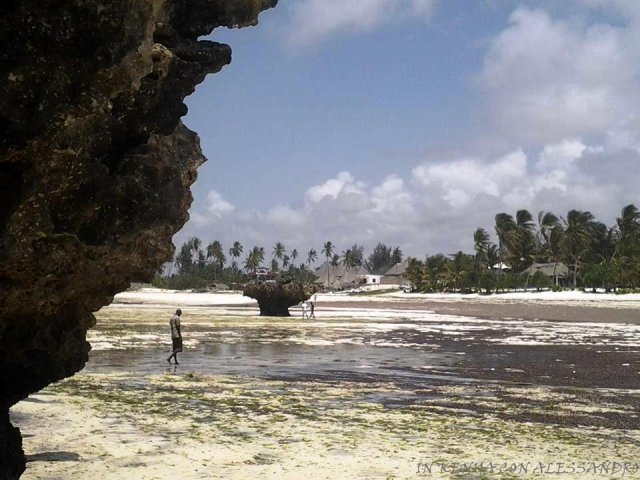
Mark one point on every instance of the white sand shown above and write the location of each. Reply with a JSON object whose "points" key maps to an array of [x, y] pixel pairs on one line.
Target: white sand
{"points": [[156, 296], [110, 442], [564, 296]]}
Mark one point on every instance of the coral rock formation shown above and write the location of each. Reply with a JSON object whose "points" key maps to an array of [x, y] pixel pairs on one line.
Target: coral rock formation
{"points": [[274, 299], [95, 167]]}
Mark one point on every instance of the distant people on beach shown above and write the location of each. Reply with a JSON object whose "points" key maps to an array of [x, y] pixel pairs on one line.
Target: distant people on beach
{"points": [[312, 302], [176, 336], [304, 310]]}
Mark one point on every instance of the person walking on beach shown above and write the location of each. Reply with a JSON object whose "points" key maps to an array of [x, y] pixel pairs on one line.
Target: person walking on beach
{"points": [[176, 336], [304, 310], [312, 302]]}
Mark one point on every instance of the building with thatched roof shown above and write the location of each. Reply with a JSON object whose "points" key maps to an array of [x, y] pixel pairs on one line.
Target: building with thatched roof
{"points": [[399, 269], [558, 271], [340, 277], [397, 275]]}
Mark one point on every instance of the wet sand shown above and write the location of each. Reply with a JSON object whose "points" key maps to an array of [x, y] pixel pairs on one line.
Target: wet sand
{"points": [[369, 389], [509, 309]]}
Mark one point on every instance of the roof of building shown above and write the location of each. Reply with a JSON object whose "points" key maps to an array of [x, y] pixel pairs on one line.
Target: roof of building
{"points": [[501, 266], [549, 269], [340, 276], [399, 268]]}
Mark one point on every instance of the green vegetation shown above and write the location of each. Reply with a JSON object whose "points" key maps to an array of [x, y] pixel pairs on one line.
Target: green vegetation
{"points": [[595, 255], [274, 414], [198, 268]]}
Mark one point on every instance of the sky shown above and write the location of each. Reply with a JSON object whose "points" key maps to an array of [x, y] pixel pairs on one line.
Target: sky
{"points": [[413, 122]]}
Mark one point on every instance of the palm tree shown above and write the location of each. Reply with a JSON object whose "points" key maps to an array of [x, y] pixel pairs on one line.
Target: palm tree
{"points": [[259, 253], [629, 220], [294, 255], [327, 250], [312, 256], [396, 256], [481, 243], [547, 221], [251, 263], [627, 248], [213, 248], [235, 252], [506, 232], [352, 257], [493, 255], [278, 250], [254, 259], [216, 254], [554, 248], [516, 239], [189, 252], [349, 259], [196, 243], [549, 234], [627, 229], [184, 258], [577, 237], [455, 270], [524, 246], [418, 274], [285, 261]]}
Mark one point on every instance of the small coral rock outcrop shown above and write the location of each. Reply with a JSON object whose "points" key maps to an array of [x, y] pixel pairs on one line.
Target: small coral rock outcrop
{"points": [[95, 167], [274, 299]]}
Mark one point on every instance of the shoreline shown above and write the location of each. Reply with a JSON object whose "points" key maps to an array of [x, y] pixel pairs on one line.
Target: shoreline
{"points": [[571, 306], [517, 310]]}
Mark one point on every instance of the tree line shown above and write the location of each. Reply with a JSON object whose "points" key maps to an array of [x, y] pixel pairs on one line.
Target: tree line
{"points": [[198, 266], [597, 256]]}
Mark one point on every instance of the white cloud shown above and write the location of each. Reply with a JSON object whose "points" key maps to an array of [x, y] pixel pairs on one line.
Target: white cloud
{"points": [[283, 216], [342, 193], [218, 207], [560, 155], [314, 21], [198, 219], [547, 80], [332, 188], [442, 204], [458, 181], [391, 197]]}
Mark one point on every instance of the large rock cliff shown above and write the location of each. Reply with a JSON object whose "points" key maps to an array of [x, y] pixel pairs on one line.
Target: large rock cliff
{"points": [[95, 167]]}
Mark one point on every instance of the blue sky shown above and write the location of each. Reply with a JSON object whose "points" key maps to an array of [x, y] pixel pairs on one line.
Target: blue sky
{"points": [[412, 122]]}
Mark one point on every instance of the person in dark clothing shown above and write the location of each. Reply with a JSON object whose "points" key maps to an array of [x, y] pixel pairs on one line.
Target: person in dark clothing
{"points": [[313, 306], [176, 336]]}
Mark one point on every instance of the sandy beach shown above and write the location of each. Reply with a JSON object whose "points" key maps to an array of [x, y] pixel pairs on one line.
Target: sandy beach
{"points": [[392, 387], [570, 305]]}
